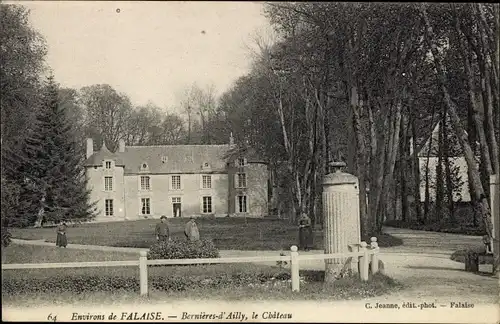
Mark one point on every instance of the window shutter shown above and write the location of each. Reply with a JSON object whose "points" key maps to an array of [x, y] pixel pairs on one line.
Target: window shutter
{"points": [[182, 182], [245, 161], [201, 181], [236, 180], [201, 205], [139, 183], [150, 183], [236, 205], [170, 182], [248, 203]]}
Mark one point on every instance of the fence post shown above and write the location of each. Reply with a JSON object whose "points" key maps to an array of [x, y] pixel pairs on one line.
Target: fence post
{"points": [[143, 272], [294, 265], [364, 262], [374, 246]]}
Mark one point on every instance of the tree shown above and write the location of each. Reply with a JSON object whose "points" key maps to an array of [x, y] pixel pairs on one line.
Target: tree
{"points": [[55, 182], [22, 55], [107, 113], [477, 195]]}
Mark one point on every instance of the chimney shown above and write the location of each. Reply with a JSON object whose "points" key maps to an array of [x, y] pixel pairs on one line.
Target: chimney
{"points": [[121, 146], [90, 147], [231, 139]]}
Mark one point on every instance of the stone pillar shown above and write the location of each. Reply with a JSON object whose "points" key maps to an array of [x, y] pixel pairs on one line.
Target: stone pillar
{"points": [[340, 216]]}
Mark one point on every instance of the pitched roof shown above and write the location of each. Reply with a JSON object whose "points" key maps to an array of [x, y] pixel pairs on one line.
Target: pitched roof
{"points": [[103, 154], [454, 146], [174, 158], [179, 158]]}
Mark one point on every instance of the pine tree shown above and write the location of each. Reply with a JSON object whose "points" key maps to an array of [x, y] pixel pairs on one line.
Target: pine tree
{"points": [[55, 186]]}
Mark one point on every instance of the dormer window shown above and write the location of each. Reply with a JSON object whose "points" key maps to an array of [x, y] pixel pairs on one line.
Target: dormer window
{"points": [[107, 164], [241, 162], [164, 159], [144, 166], [205, 165]]}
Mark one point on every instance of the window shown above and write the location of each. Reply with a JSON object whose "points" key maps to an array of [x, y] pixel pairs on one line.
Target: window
{"points": [[146, 208], [242, 180], [176, 200], [108, 206], [108, 183], [207, 205], [242, 204], [176, 182], [207, 182], [241, 162], [145, 183], [108, 164], [164, 159]]}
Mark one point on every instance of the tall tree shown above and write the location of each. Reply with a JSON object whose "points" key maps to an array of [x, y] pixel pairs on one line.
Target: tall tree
{"points": [[55, 179], [22, 55], [477, 195]]}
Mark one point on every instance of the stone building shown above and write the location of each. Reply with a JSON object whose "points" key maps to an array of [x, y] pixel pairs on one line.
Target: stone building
{"points": [[137, 182]]}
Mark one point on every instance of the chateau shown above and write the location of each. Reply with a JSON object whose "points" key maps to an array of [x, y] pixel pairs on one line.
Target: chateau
{"points": [[137, 182]]}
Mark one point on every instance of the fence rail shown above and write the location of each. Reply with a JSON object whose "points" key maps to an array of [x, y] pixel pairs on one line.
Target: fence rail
{"points": [[364, 256]]}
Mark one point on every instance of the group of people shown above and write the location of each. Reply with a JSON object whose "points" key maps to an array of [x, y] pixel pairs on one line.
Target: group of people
{"points": [[162, 230], [192, 233]]}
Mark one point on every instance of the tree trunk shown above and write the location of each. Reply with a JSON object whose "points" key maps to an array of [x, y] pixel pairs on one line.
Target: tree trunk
{"points": [[487, 93], [478, 191], [391, 157], [438, 206], [41, 212], [361, 164], [447, 169], [485, 152], [427, 182], [416, 170], [404, 169]]}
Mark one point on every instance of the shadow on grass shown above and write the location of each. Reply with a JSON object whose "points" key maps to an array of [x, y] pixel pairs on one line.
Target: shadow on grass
{"points": [[434, 268], [459, 256]]}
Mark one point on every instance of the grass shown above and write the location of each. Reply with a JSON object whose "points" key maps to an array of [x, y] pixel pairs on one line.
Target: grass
{"points": [[463, 222], [205, 282], [226, 233]]}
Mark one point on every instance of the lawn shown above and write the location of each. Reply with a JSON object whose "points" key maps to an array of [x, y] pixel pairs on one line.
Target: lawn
{"points": [[121, 284], [226, 233]]}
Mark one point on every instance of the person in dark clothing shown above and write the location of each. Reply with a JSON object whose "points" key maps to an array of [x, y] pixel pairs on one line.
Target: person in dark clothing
{"points": [[61, 240], [162, 231], [305, 233]]}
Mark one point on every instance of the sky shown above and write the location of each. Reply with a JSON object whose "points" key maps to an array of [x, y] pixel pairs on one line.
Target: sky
{"points": [[152, 51]]}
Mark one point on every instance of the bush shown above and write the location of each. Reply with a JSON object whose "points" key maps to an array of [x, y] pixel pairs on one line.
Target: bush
{"points": [[79, 284], [75, 284], [183, 249]]}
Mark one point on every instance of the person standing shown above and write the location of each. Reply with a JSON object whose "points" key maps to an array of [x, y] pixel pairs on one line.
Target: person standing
{"points": [[61, 240], [191, 230], [305, 232], [162, 230]]}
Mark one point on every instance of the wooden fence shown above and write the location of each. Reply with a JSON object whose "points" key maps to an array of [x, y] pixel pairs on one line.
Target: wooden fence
{"points": [[495, 212], [364, 256]]}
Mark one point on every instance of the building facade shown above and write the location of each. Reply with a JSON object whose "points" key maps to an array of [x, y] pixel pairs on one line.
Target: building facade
{"points": [[138, 182]]}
